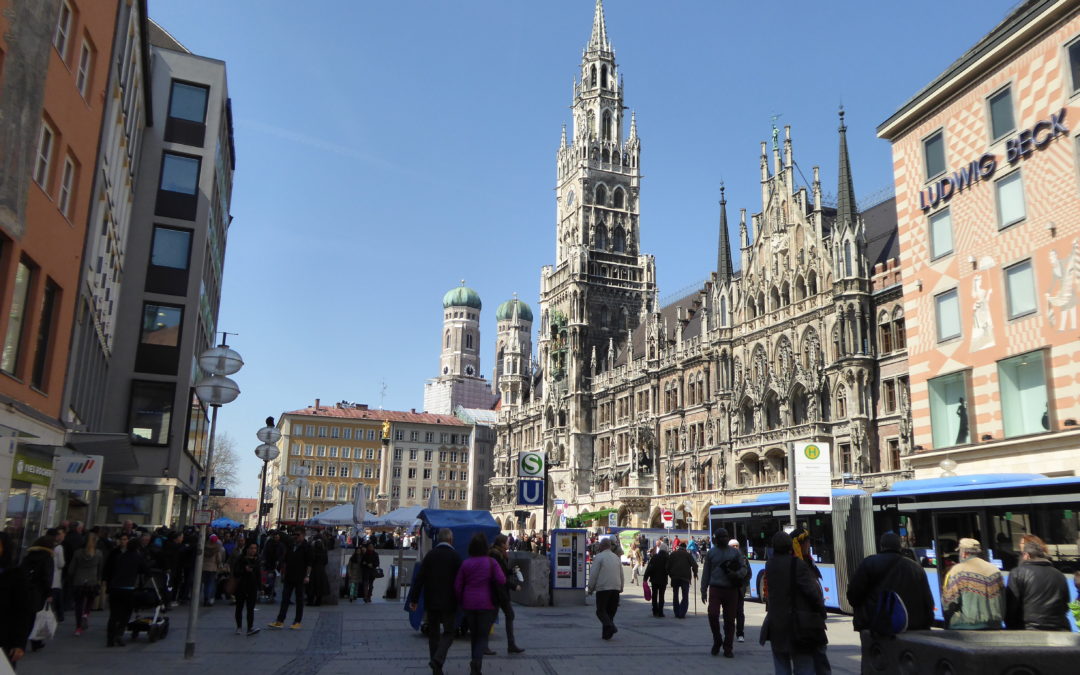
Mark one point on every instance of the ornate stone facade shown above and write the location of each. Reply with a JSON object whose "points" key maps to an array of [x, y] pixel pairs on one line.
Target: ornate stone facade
{"points": [[641, 407]]}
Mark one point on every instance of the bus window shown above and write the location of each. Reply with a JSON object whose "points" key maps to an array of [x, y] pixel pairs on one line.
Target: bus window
{"points": [[1008, 525], [1062, 536]]}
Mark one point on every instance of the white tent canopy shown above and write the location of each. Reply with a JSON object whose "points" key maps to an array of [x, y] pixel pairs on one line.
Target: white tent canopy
{"points": [[400, 517], [340, 516]]}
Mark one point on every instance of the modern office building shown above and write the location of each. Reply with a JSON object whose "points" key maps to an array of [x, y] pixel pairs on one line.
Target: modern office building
{"points": [[172, 271], [987, 168], [54, 73]]}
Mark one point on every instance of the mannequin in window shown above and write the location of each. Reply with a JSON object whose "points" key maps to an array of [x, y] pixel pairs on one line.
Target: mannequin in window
{"points": [[961, 412]]}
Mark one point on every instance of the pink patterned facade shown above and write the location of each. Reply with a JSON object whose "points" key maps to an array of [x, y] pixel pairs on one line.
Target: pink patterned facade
{"points": [[987, 171]]}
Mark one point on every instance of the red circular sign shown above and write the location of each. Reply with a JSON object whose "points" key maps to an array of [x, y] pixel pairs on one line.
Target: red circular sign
{"points": [[667, 515]]}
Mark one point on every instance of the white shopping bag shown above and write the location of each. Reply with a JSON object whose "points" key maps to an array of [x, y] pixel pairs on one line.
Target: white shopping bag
{"points": [[44, 623]]}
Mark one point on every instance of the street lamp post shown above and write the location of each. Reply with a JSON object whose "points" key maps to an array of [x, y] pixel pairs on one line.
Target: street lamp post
{"points": [[267, 452], [215, 390], [284, 487]]}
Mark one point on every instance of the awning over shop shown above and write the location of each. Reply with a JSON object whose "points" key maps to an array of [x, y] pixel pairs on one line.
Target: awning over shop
{"points": [[116, 449]]}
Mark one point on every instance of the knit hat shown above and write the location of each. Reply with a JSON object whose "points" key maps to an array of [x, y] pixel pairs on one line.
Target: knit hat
{"points": [[214, 539], [734, 543]]}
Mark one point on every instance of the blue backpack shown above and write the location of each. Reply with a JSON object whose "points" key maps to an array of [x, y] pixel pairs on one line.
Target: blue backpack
{"points": [[889, 615]]}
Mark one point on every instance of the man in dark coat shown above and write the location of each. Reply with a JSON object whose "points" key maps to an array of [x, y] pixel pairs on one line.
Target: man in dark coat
{"points": [[16, 619], [273, 555], [297, 574], [890, 570], [792, 587], [656, 573], [1037, 597], [435, 579], [681, 567]]}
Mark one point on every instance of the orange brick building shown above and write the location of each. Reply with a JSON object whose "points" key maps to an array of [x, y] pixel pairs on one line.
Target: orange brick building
{"points": [[54, 60], [988, 201]]}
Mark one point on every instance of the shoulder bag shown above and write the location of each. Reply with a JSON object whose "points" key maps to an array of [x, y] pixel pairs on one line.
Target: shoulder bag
{"points": [[499, 594], [807, 626]]}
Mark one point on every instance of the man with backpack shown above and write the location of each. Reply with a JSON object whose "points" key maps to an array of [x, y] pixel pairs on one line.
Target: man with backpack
{"points": [[890, 593], [722, 576]]}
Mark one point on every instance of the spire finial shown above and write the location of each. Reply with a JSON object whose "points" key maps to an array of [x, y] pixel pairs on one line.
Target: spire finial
{"points": [[633, 124], [724, 268], [562, 142], [462, 282], [845, 197], [598, 40]]}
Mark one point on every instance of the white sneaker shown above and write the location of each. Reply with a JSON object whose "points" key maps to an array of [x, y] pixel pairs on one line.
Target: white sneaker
{"points": [[740, 639]]}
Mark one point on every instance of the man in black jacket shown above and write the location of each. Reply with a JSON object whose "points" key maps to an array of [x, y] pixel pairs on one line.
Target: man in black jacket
{"points": [[1037, 597], [273, 554], [435, 579], [681, 567], [297, 574], [890, 570]]}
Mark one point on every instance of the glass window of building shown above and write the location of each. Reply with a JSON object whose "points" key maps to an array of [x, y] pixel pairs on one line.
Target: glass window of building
{"points": [[947, 309], [1020, 289], [1009, 197], [941, 234], [368, 471], [333, 451], [172, 249], [161, 325], [412, 454], [1074, 65], [411, 492], [309, 450], [429, 437], [412, 473], [1002, 121], [322, 451], [397, 454], [1024, 404], [442, 455], [335, 432], [399, 435], [428, 455], [345, 452], [414, 436], [346, 433], [179, 173], [371, 435], [934, 154], [188, 102], [322, 432], [344, 471], [331, 471], [371, 453], [13, 339], [949, 415], [151, 412], [310, 430], [397, 472]]}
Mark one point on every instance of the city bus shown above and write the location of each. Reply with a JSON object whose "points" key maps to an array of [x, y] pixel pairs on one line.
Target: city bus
{"points": [[839, 540], [932, 515]]}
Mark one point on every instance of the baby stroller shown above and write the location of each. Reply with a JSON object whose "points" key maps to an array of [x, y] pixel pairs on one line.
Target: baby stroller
{"points": [[156, 626]]}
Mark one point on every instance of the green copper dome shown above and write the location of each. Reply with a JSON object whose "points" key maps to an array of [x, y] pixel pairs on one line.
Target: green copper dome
{"points": [[505, 312], [462, 296]]}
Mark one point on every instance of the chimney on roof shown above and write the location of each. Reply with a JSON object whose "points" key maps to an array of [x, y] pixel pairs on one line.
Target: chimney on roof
{"points": [[316, 404], [414, 411], [362, 406]]}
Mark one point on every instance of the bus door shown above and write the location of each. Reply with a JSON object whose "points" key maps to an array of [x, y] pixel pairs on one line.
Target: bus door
{"points": [[949, 528]]}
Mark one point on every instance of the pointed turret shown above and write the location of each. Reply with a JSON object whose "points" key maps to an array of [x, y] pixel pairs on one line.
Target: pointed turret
{"points": [[633, 126], [598, 40], [845, 195], [723, 253], [744, 239], [562, 142]]}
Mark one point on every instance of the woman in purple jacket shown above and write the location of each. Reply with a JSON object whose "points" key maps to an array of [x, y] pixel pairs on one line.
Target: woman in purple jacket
{"points": [[473, 587]]}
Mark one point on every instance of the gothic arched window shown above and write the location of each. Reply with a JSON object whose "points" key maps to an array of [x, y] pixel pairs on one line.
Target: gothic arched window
{"points": [[448, 339], [601, 239], [619, 196], [605, 156], [603, 76], [811, 283], [592, 76], [723, 311], [468, 341], [847, 258], [601, 195], [605, 128], [620, 240]]}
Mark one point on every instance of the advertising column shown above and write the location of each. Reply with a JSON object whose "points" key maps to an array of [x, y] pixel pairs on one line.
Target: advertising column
{"points": [[568, 567]]}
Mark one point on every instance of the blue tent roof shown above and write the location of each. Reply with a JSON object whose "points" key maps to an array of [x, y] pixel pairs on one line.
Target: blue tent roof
{"points": [[225, 522], [462, 523]]}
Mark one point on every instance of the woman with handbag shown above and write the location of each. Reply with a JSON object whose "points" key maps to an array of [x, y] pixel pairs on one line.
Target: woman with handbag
{"points": [[369, 567], [85, 569], [795, 613], [356, 574], [37, 564], [475, 593], [245, 579]]}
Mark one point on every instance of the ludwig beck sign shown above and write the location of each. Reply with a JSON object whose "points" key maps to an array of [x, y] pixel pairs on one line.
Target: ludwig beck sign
{"points": [[531, 465]]}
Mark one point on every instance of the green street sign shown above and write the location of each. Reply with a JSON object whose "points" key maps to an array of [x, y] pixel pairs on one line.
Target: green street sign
{"points": [[531, 465]]}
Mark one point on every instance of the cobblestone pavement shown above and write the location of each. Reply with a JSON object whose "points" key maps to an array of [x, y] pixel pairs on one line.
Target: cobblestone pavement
{"points": [[376, 638]]}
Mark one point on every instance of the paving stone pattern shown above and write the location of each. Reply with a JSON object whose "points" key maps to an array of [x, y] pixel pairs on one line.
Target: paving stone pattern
{"points": [[375, 638]]}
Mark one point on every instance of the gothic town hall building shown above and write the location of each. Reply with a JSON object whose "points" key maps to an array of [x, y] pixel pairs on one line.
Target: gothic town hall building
{"points": [[641, 407]]}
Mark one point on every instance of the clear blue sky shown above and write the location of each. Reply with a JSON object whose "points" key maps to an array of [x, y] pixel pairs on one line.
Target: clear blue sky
{"points": [[386, 150]]}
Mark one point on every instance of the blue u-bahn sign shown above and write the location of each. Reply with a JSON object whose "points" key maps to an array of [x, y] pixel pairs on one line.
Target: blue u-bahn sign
{"points": [[530, 492]]}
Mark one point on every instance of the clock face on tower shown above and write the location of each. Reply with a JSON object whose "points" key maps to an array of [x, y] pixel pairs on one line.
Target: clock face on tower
{"points": [[469, 370]]}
